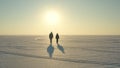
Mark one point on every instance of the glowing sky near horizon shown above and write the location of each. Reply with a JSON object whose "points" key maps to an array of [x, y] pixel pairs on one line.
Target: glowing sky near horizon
{"points": [[71, 17]]}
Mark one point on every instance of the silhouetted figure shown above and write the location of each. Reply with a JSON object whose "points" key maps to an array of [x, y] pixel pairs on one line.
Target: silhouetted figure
{"points": [[57, 37], [50, 50], [60, 48], [51, 37]]}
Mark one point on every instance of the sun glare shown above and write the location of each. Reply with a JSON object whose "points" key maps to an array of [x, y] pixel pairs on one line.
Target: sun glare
{"points": [[52, 17]]}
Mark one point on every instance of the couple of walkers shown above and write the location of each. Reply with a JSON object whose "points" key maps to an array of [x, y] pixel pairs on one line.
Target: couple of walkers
{"points": [[51, 37]]}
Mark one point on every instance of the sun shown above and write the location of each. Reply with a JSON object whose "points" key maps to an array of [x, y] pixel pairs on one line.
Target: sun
{"points": [[52, 17]]}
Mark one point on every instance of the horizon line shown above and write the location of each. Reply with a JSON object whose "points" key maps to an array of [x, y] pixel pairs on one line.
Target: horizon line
{"points": [[67, 35]]}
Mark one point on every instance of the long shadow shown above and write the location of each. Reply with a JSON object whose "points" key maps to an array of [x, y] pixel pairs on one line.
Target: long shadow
{"points": [[50, 50], [60, 48], [62, 59]]}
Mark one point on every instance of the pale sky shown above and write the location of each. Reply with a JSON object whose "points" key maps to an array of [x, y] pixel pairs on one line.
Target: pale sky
{"points": [[76, 17]]}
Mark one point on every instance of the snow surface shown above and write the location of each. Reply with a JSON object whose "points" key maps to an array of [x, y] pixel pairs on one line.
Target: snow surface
{"points": [[72, 52]]}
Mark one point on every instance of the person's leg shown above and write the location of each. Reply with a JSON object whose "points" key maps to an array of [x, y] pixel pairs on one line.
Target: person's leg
{"points": [[57, 41], [50, 41]]}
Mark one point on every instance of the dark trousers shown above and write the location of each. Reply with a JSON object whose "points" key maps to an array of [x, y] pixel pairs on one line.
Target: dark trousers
{"points": [[56, 40], [50, 41]]}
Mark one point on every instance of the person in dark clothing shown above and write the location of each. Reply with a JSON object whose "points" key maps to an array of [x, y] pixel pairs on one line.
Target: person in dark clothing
{"points": [[57, 37], [51, 37]]}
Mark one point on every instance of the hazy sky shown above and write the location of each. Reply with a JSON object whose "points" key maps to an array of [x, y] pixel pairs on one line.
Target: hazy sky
{"points": [[77, 17]]}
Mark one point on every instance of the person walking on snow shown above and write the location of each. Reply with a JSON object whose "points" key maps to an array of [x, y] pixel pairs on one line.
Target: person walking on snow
{"points": [[57, 38], [51, 37]]}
